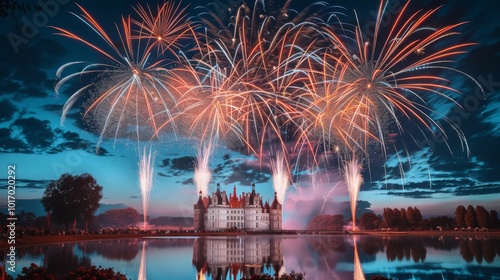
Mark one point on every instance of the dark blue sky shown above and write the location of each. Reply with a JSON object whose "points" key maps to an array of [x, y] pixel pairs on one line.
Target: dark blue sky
{"points": [[434, 179]]}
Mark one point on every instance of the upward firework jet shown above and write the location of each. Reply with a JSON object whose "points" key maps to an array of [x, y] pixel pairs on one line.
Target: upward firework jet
{"points": [[281, 180], [146, 173], [202, 173], [352, 173]]}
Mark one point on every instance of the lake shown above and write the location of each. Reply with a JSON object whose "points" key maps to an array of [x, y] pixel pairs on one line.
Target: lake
{"points": [[320, 257]]}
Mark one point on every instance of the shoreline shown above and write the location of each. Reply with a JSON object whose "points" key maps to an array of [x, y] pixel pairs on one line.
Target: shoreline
{"points": [[28, 241]]}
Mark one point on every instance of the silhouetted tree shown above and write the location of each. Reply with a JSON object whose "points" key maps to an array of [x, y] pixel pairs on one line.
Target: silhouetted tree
{"points": [[414, 216], [389, 217], [369, 220], [470, 217], [119, 217], [482, 215], [72, 197], [494, 223], [442, 221], [404, 218], [397, 217], [460, 213]]}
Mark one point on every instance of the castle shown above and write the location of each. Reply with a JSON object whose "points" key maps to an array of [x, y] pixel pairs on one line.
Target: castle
{"points": [[217, 212]]}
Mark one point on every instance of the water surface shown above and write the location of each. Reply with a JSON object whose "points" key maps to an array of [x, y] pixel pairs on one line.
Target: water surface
{"points": [[320, 257]]}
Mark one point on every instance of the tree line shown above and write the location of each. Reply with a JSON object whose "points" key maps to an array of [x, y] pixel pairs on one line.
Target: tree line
{"points": [[478, 217], [411, 218]]}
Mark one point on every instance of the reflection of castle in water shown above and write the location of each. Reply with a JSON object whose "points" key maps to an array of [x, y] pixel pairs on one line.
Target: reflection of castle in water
{"points": [[237, 256]]}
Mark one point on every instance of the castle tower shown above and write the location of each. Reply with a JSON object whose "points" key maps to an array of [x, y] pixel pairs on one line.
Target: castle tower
{"points": [[275, 214], [199, 214]]}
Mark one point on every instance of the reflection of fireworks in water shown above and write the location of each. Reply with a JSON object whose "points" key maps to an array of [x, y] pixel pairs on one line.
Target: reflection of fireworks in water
{"points": [[358, 270], [281, 180], [146, 173], [352, 173], [202, 172], [142, 266]]}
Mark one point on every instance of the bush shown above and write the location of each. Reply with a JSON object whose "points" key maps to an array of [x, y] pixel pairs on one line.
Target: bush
{"points": [[90, 273], [292, 276]]}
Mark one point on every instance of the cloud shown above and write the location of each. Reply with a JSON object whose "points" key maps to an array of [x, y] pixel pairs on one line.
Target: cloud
{"points": [[26, 183], [36, 133], [32, 135], [8, 110], [10, 144]]}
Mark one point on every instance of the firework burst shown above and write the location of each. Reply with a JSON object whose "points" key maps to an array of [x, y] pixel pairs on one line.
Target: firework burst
{"points": [[366, 90], [164, 28], [131, 89]]}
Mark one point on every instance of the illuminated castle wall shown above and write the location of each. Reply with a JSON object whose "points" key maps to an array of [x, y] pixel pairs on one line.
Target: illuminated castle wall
{"points": [[246, 211]]}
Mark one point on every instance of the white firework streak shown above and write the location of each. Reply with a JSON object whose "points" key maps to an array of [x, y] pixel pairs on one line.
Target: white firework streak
{"points": [[280, 177], [146, 173], [202, 173], [352, 173], [326, 198]]}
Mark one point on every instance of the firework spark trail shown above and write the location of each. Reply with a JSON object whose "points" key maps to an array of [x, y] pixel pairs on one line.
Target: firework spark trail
{"points": [[146, 176], [353, 178], [202, 173], [280, 177], [325, 199]]}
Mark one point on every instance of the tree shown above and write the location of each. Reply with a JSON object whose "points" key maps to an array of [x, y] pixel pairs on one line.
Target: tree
{"points": [[369, 221], [494, 223], [119, 217], [460, 213], [418, 216], [470, 217], [389, 217], [482, 216], [72, 197], [404, 218], [397, 218]]}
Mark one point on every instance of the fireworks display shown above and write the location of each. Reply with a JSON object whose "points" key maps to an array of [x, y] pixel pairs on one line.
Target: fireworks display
{"points": [[257, 77]]}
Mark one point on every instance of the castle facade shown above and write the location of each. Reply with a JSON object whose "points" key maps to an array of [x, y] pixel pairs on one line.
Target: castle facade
{"points": [[246, 211]]}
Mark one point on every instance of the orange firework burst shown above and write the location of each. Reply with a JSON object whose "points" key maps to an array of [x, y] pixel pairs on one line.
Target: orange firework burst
{"points": [[361, 91], [164, 28], [131, 90]]}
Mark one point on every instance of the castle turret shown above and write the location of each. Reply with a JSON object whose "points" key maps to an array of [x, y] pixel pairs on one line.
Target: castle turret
{"points": [[199, 214], [275, 214]]}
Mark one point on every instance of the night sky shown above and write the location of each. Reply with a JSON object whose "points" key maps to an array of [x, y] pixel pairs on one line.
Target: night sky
{"points": [[435, 179]]}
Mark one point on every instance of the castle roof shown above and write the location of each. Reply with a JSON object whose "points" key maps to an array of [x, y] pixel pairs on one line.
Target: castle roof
{"points": [[275, 204], [200, 204], [252, 195]]}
